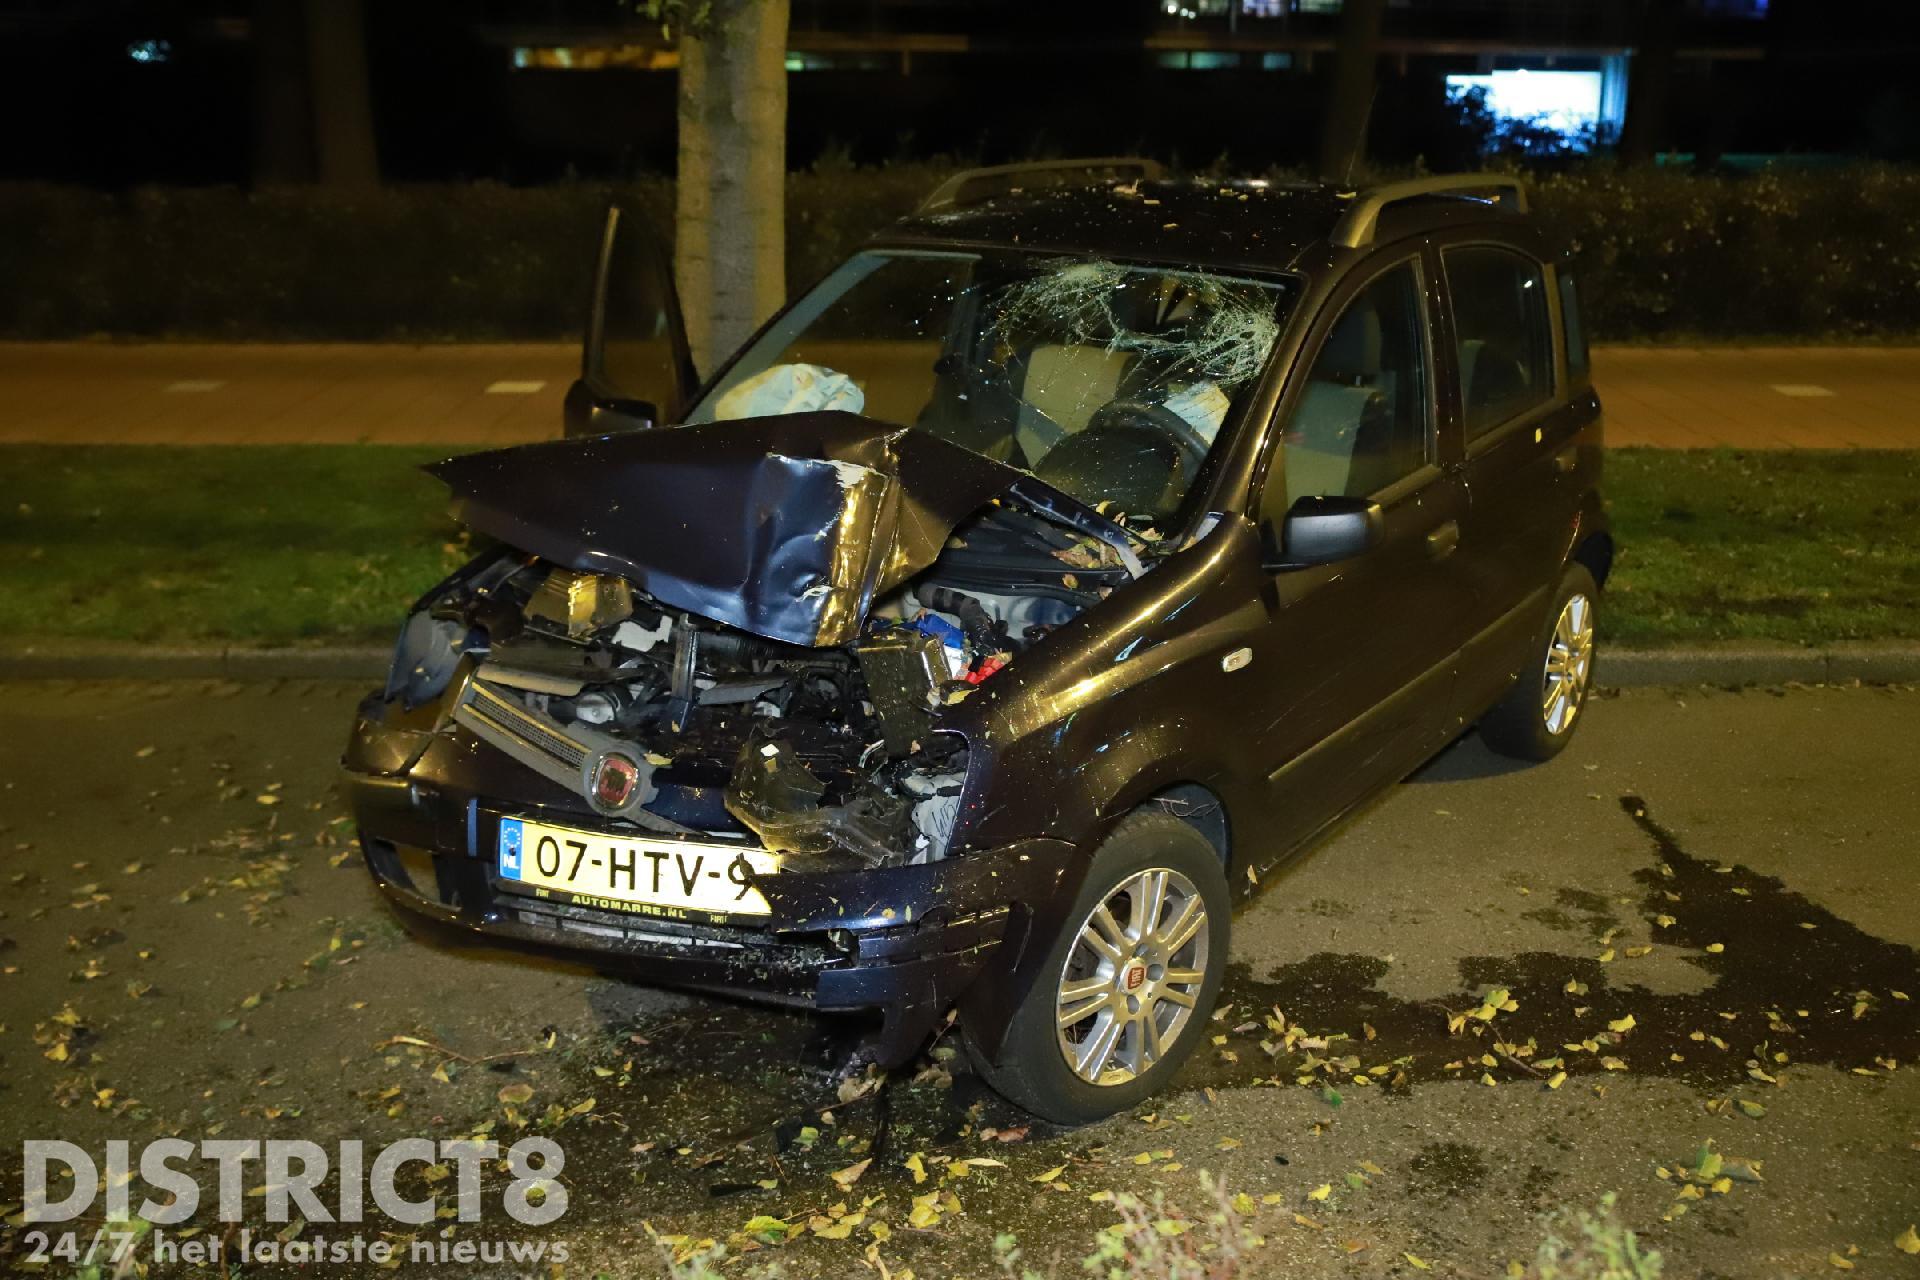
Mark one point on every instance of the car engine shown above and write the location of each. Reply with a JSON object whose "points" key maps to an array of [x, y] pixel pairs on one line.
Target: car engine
{"points": [[675, 723]]}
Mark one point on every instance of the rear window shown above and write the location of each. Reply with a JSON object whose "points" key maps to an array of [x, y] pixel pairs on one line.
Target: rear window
{"points": [[1505, 339], [1574, 326]]}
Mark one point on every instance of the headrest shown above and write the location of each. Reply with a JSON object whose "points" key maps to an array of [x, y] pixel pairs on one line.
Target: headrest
{"points": [[1353, 347]]}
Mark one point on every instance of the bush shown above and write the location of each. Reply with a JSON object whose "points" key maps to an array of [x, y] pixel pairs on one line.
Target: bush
{"points": [[1834, 253]]}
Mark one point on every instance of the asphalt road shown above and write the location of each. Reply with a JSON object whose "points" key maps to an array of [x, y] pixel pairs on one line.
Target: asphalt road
{"points": [[184, 949]]}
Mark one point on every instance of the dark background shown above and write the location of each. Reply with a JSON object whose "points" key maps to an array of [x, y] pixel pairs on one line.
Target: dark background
{"points": [[1794, 78]]}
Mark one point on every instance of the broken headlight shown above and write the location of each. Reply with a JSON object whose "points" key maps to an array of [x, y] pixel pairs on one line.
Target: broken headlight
{"points": [[424, 660]]}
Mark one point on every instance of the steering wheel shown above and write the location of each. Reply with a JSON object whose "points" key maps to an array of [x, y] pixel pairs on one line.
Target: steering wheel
{"points": [[1192, 445]]}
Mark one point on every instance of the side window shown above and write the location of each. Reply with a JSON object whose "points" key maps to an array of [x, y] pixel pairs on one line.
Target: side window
{"points": [[1506, 344], [1576, 329], [1364, 417]]}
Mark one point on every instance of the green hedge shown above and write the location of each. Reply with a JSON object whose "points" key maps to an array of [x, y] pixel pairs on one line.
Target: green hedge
{"points": [[1661, 254]]}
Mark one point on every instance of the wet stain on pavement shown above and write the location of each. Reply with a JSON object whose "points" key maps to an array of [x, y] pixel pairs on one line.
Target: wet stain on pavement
{"points": [[1448, 1169], [1792, 984]]}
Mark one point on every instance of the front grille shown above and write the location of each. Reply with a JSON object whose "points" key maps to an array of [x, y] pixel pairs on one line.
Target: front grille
{"points": [[514, 727]]}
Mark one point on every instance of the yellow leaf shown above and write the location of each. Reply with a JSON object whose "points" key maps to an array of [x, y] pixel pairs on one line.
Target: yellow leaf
{"points": [[1613, 1064], [1145, 1157], [1227, 1144], [846, 1177], [1305, 1221], [1606, 957], [1622, 1025], [1907, 1241], [1418, 1264], [1557, 1079], [515, 1094], [1664, 921], [918, 1167], [1839, 1262], [1321, 1192], [1715, 948], [1048, 1176]]}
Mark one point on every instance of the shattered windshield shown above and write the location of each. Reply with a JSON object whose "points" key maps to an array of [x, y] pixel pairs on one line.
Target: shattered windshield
{"points": [[1109, 381]]}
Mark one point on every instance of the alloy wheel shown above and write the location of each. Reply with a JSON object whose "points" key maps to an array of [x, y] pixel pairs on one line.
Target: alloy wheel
{"points": [[1132, 978], [1569, 660]]}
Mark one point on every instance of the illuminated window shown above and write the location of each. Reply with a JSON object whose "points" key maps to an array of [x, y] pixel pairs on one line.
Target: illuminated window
{"points": [[1567, 102]]}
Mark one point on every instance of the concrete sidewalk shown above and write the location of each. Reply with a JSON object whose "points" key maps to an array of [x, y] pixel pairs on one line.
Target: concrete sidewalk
{"points": [[504, 393]]}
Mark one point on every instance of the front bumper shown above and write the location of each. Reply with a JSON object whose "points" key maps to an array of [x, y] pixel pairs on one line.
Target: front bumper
{"points": [[905, 942]]}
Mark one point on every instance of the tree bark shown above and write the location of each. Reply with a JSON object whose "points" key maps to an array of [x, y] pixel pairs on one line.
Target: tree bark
{"points": [[342, 97], [730, 214], [282, 137], [1343, 134], [1644, 132]]}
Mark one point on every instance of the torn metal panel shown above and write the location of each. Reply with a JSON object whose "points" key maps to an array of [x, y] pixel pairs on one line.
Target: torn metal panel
{"points": [[786, 527]]}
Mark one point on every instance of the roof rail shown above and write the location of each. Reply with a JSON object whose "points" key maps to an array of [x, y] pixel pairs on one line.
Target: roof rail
{"points": [[975, 185], [1355, 230]]}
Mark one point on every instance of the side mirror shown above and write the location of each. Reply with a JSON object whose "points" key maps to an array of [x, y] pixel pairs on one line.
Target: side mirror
{"points": [[1321, 530], [587, 413]]}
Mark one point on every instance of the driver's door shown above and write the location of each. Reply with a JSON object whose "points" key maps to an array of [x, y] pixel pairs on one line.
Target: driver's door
{"points": [[636, 369]]}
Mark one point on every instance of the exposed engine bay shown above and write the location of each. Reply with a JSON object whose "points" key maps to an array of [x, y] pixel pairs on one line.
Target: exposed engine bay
{"points": [[679, 724]]}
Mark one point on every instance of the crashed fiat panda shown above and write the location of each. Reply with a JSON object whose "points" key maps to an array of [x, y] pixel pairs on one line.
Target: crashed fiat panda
{"points": [[1005, 611]]}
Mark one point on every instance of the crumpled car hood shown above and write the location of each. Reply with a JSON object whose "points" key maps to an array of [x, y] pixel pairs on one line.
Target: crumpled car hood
{"points": [[785, 526]]}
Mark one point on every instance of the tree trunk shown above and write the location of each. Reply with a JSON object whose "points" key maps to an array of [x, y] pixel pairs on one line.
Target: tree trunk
{"points": [[342, 98], [282, 140], [730, 219], [1343, 134], [1644, 132]]}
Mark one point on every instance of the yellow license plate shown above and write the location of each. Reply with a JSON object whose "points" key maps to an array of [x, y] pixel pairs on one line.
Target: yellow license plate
{"points": [[675, 878]]}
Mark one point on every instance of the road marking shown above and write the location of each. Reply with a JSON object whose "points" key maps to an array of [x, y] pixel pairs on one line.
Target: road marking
{"points": [[196, 384], [1803, 390], [514, 388]]}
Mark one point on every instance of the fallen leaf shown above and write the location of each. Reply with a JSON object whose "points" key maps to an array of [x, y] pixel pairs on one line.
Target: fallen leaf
{"points": [[1715, 948], [851, 1174], [1907, 1241], [1321, 1192], [1048, 1176], [1418, 1264], [1622, 1025], [515, 1094]]}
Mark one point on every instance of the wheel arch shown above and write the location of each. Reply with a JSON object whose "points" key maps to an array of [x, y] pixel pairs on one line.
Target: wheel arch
{"points": [[1595, 551]]}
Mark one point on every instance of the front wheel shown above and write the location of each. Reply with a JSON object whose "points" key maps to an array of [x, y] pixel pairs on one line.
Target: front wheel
{"points": [[1538, 715], [1126, 989]]}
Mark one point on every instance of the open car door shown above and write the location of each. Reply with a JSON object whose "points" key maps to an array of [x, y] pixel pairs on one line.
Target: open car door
{"points": [[636, 369]]}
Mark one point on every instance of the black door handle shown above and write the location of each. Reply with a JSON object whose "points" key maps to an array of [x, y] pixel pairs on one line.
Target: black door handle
{"points": [[1444, 540]]}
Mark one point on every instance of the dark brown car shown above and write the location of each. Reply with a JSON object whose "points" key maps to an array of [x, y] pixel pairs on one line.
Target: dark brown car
{"points": [[987, 626]]}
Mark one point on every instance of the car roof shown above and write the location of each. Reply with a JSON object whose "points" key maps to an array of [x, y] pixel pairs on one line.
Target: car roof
{"points": [[1250, 224]]}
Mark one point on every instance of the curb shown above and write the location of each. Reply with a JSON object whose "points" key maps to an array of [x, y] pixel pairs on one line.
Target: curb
{"points": [[1618, 668], [142, 662]]}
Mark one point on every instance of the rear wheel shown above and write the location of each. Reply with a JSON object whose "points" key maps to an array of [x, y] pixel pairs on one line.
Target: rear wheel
{"points": [[1125, 992], [1539, 713]]}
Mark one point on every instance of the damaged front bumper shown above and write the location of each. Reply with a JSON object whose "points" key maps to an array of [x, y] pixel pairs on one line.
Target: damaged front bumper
{"points": [[903, 942]]}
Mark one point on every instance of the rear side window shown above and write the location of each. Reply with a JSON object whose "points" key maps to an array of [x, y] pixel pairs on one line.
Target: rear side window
{"points": [[1505, 339], [1575, 327]]}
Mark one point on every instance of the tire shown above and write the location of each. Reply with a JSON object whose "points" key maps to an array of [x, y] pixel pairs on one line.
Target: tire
{"points": [[1524, 724], [1128, 986]]}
